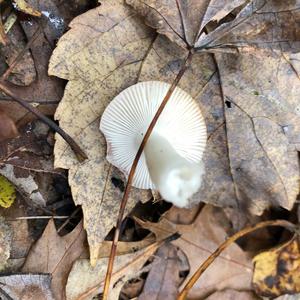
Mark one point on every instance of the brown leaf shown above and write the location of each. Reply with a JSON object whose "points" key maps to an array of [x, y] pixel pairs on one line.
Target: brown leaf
{"points": [[198, 240], [163, 279], [26, 287], [94, 55], [276, 271], [55, 255], [260, 23], [27, 162], [8, 128], [183, 21], [263, 125]]}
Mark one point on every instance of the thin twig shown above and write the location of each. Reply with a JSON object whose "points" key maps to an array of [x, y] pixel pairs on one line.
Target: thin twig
{"points": [[21, 54], [38, 217], [81, 156], [131, 174], [283, 223]]}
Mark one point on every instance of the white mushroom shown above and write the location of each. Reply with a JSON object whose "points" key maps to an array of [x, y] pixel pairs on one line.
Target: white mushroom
{"points": [[171, 161]]}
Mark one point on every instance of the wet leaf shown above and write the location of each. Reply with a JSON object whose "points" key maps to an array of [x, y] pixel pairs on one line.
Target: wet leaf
{"points": [[7, 193], [55, 255], [276, 271]]}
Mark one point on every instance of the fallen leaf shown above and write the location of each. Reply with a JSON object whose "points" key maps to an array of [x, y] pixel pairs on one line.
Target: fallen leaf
{"points": [[23, 6], [8, 128], [260, 171], [25, 287], [21, 239], [259, 23], [27, 162], [263, 125], [55, 255], [5, 243], [101, 47], [163, 279], [7, 192], [231, 270], [94, 55], [86, 281], [232, 294], [276, 271]]}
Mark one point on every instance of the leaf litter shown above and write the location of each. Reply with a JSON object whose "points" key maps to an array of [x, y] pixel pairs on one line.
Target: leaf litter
{"points": [[244, 76]]}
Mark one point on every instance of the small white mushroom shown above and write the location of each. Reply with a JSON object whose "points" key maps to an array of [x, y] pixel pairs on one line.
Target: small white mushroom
{"points": [[171, 161]]}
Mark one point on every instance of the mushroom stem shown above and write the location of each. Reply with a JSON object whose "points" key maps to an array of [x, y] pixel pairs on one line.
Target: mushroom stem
{"points": [[176, 178]]}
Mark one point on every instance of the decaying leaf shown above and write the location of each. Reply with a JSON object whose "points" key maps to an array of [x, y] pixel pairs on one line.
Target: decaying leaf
{"points": [[163, 279], [8, 128], [27, 162], [231, 270], [26, 287], [7, 192], [21, 239], [55, 255], [23, 6], [5, 243], [277, 271], [85, 281]]}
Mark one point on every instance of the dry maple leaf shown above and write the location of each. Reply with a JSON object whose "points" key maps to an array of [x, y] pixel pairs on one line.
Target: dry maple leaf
{"points": [[232, 269], [110, 41], [102, 46], [55, 255]]}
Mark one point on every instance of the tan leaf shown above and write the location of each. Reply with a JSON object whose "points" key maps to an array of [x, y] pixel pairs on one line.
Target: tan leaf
{"points": [[232, 294], [231, 270], [276, 271], [55, 255], [263, 125], [85, 281], [26, 287], [102, 46], [23, 6]]}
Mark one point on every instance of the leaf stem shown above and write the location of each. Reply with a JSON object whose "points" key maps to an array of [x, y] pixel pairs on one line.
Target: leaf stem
{"points": [[131, 174], [283, 223]]}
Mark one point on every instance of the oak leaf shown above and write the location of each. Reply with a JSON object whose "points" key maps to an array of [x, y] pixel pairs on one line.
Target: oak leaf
{"points": [[55, 255], [231, 270]]}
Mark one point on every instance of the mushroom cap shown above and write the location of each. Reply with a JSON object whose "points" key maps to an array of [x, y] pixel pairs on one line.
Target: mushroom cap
{"points": [[128, 116]]}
